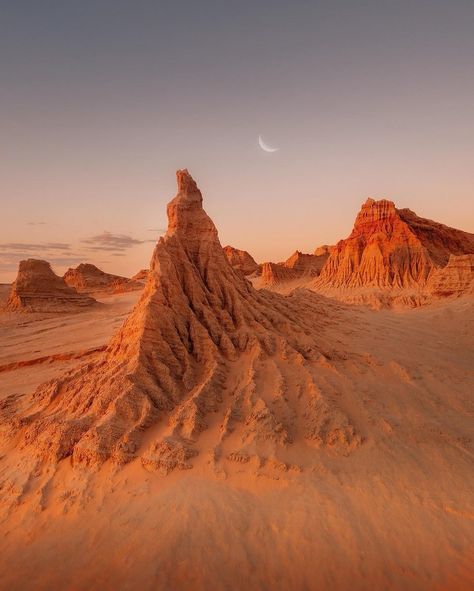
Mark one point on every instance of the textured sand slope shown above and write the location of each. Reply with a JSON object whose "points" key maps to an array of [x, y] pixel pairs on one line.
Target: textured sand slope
{"points": [[38, 347], [395, 514]]}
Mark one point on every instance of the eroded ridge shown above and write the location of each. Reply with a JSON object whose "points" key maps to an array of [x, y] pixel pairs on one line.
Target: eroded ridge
{"points": [[201, 351]]}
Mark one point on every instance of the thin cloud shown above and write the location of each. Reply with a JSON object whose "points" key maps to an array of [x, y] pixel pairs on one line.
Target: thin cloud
{"points": [[36, 223], [9, 260], [29, 246], [62, 261], [111, 242], [160, 230]]}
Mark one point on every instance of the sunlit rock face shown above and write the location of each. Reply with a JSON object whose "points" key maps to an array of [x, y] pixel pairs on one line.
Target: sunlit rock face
{"points": [[201, 350], [38, 289], [87, 278], [389, 247], [241, 260]]}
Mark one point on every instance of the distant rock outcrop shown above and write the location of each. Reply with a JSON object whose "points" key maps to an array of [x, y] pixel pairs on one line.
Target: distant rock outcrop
{"points": [[299, 267], [141, 276], [87, 278], [38, 289], [392, 252], [455, 279], [306, 264], [275, 273], [202, 350], [241, 260], [323, 250]]}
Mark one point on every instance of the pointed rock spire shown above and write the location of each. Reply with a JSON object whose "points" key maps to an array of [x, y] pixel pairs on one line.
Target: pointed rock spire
{"points": [[191, 357], [186, 216]]}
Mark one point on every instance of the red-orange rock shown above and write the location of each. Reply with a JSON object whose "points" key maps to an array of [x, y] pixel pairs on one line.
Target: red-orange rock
{"points": [[241, 260], [455, 279], [141, 276], [275, 273], [38, 289], [323, 250], [87, 278], [195, 350], [391, 248], [299, 266], [306, 264]]}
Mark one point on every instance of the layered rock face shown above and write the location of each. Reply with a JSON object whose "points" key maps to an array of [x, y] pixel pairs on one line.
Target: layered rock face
{"points": [[38, 289], [275, 273], [391, 249], [241, 260], [306, 264], [87, 278], [298, 267], [202, 351], [455, 279]]}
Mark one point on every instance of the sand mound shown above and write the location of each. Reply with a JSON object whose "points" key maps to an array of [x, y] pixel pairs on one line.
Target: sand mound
{"points": [[38, 289], [87, 278]]}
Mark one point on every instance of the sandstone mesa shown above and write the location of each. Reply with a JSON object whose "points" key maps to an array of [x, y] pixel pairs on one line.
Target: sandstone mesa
{"points": [[38, 289]]}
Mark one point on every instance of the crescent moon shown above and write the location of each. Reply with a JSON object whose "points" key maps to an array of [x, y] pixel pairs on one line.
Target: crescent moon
{"points": [[265, 147]]}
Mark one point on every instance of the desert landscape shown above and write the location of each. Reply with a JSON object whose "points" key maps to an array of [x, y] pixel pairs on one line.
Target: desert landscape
{"points": [[237, 296], [196, 432]]}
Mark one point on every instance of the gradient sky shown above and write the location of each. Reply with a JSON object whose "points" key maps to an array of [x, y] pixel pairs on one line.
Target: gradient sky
{"points": [[101, 101]]}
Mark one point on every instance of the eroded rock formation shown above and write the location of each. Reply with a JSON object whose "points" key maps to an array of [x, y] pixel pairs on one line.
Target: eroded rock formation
{"points": [[323, 250], [202, 351], [455, 279], [241, 260], [306, 264], [141, 276], [87, 278], [275, 273], [299, 267], [38, 289], [393, 251]]}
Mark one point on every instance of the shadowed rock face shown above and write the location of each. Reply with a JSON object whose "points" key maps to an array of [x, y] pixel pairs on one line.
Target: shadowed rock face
{"points": [[241, 260], [38, 289], [391, 248], [202, 347], [87, 278]]}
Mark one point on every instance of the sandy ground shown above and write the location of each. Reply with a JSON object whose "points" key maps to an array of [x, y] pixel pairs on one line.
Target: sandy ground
{"points": [[36, 347], [397, 513]]}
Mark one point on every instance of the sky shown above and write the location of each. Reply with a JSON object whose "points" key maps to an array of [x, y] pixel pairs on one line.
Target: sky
{"points": [[102, 101]]}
